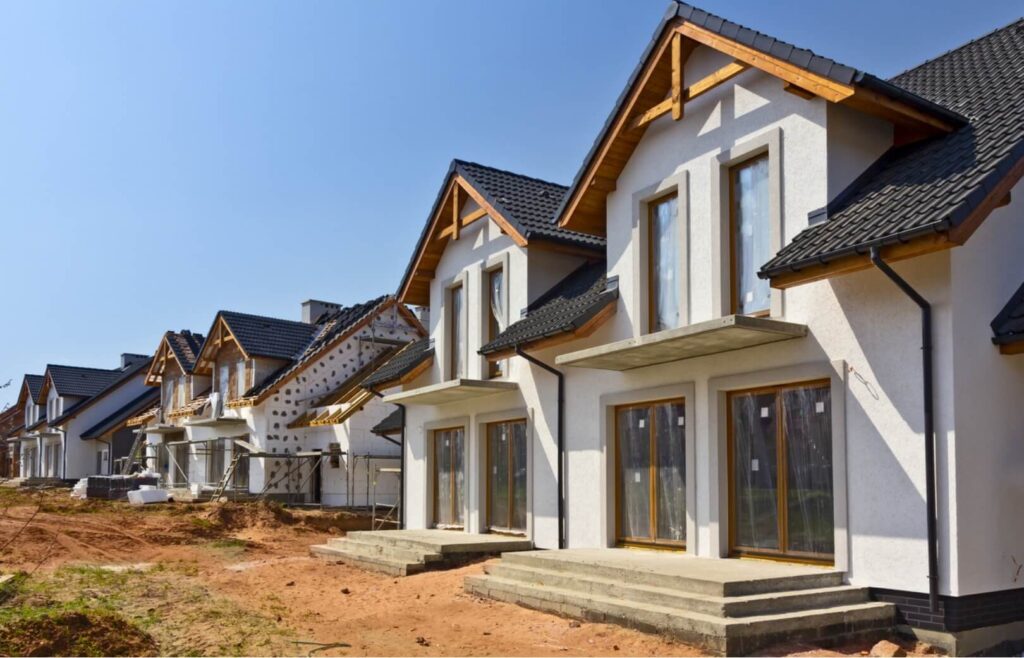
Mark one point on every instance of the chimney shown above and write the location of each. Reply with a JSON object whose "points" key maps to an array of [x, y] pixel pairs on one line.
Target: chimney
{"points": [[128, 359], [313, 309]]}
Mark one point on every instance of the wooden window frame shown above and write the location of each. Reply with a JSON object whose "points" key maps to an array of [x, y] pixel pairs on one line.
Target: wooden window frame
{"points": [[434, 475], [651, 301], [652, 469], [498, 367], [733, 278], [782, 490], [507, 530], [456, 330]]}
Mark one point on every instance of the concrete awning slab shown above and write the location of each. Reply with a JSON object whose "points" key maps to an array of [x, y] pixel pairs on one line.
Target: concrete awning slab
{"points": [[733, 332], [162, 429], [225, 421], [455, 390]]}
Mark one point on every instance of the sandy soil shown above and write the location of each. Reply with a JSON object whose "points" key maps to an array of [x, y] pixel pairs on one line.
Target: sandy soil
{"points": [[205, 579]]}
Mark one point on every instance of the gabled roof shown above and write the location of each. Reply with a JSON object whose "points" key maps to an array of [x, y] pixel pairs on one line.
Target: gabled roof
{"points": [[945, 185], [268, 337], [522, 206], [12, 419], [332, 329], [118, 418], [575, 304], [120, 376], [656, 87], [410, 359], [1008, 326], [182, 346], [31, 386], [76, 381]]}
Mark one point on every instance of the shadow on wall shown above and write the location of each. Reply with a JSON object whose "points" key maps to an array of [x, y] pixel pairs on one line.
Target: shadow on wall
{"points": [[884, 415]]}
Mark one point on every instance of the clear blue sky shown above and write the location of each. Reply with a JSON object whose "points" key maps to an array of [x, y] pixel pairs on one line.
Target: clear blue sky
{"points": [[161, 161]]}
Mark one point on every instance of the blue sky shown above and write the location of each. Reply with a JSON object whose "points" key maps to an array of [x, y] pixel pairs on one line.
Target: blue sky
{"points": [[161, 161]]}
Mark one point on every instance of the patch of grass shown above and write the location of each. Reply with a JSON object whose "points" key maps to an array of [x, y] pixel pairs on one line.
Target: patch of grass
{"points": [[229, 542], [202, 524]]}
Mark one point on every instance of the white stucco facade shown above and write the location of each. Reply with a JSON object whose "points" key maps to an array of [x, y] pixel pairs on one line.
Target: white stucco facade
{"points": [[863, 338]]}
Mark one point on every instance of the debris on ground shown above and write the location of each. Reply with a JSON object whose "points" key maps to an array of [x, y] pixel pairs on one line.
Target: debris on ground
{"points": [[887, 649], [75, 634]]}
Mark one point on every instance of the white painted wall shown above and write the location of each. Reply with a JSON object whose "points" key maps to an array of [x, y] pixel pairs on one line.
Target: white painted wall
{"points": [[81, 454], [989, 388]]}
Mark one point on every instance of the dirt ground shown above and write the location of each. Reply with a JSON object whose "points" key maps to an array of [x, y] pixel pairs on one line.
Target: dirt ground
{"points": [[237, 579]]}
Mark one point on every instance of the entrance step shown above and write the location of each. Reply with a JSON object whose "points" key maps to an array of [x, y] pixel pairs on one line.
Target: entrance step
{"points": [[693, 601], [407, 552]]}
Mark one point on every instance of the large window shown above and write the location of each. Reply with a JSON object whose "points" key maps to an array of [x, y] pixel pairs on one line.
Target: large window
{"points": [[449, 478], [780, 453], [497, 315], [224, 382], [750, 228], [456, 337], [506, 476], [664, 259], [651, 472]]}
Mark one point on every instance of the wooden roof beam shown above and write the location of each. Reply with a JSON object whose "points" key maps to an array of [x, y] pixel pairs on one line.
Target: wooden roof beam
{"points": [[699, 88]]}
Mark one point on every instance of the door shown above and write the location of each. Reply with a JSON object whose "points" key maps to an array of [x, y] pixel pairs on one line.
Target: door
{"points": [[449, 478], [651, 473], [780, 471], [506, 477]]}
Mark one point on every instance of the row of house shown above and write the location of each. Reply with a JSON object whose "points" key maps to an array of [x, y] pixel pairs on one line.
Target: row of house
{"points": [[258, 405], [778, 313]]}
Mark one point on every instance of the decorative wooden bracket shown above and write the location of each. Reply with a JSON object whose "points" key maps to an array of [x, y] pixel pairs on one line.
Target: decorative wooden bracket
{"points": [[699, 88]]}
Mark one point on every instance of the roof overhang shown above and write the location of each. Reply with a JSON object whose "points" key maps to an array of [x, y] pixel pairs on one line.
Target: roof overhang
{"points": [[458, 205], [456, 390], [733, 332], [220, 333], [657, 88], [164, 354]]}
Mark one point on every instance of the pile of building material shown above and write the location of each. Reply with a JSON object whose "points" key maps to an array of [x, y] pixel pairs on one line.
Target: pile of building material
{"points": [[116, 487]]}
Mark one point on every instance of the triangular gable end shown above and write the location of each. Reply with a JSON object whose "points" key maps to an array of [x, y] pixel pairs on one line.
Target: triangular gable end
{"points": [[219, 334], [459, 205], [164, 353], [658, 88]]}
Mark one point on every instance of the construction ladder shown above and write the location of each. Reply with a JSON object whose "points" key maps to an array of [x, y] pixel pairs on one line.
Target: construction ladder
{"points": [[138, 443], [228, 475]]}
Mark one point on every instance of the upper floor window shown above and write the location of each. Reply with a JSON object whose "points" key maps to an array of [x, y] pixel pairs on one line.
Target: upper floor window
{"points": [[30, 413], [497, 315], [664, 261], [53, 409], [750, 228], [241, 379], [180, 392], [224, 382], [456, 340], [168, 385]]}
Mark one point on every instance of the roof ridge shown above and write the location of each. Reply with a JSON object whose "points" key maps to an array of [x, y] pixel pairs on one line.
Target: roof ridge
{"points": [[510, 173], [955, 49], [59, 365], [265, 317]]}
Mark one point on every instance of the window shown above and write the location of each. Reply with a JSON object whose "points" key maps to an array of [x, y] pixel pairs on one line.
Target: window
{"points": [[224, 381], [663, 262], [456, 339], [168, 386], [780, 472], [750, 229], [180, 392], [497, 316], [240, 380]]}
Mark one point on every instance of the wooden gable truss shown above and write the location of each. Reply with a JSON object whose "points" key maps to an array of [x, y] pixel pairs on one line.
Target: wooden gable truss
{"points": [[446, 223], [660, 89]]}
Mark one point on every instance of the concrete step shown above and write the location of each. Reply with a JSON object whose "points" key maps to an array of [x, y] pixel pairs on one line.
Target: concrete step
{"points": [[400, 539], [718, 635], [384, 550], [624, 573], [376, 563], [734, 606]]}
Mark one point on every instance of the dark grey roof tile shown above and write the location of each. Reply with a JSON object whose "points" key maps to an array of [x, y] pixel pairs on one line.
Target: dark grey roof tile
{"points": [[1008, 326], [933, 185], [119, 416], [401, 364], [566, 307]]}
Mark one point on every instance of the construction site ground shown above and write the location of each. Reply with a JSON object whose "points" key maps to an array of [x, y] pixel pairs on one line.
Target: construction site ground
{"points": [[106, 578]]}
